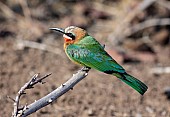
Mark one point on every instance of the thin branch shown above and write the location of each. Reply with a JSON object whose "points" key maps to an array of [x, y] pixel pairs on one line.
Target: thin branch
{"points": [[160, 70], [7, 11], [38, 80], [118, 35], [146, 24], [26, 10], [141, 7], [164, 3], [108, 9], [56, 93], [11, 98], [23, 43], [34, 80]]}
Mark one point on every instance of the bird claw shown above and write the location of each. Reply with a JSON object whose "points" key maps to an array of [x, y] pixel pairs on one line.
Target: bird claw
{"points": [[103, 46], [85, 68]]}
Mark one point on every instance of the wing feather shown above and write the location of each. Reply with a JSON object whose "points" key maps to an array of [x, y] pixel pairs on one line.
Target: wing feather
{"points": [[95, 57]]}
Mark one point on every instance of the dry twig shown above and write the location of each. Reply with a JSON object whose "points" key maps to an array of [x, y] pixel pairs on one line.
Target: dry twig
{"points": [[56, 93], [18, 111], [44, 101], [24, 43], [26, 10], [147, 24], [7, 11], [160, 70], [118, 35]]}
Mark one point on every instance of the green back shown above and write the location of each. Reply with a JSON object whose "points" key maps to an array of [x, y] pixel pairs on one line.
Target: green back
{"points": [[89, 52]]}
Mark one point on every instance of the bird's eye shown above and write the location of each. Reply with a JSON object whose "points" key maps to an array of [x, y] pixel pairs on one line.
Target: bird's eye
{"points": [[71, 35]]}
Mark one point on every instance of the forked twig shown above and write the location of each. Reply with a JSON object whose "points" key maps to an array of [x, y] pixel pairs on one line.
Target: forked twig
{"points": [[119, 34], [48, 99], [26, 10], [34, 80], [44, 101]]}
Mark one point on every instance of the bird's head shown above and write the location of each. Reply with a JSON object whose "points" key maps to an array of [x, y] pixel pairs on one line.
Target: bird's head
{"points": [[71, 34]]}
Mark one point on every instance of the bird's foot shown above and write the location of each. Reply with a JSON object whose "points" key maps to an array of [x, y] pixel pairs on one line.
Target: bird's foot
{"points": [[103, 46], [85, 68]]}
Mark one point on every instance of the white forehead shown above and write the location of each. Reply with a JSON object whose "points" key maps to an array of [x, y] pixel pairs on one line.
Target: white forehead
{"points": [[69, 29]]}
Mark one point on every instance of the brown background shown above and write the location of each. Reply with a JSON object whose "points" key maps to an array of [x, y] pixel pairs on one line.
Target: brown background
{"points": [[98, 94]]}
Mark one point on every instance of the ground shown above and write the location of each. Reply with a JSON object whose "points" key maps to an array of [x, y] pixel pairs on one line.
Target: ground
{"points": [[98, 94]]}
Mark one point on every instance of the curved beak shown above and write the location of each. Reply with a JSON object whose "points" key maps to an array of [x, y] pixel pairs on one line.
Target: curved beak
{"points": [[58, 30]]}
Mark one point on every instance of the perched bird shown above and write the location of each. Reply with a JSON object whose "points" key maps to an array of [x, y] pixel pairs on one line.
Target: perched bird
{"points": [[85, 50]]}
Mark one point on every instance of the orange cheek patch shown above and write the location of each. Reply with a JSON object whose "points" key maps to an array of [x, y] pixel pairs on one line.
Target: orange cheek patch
{"points": [[67, 40]]}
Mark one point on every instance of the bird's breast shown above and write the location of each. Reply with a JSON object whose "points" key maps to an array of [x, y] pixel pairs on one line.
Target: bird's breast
{"points": [[71, 55]]}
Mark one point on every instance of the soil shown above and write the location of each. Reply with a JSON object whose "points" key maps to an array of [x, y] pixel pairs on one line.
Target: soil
{"points": [[98, 95]]}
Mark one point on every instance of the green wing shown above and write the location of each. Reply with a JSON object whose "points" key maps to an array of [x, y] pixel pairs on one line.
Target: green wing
{"points": [[90, 53]]}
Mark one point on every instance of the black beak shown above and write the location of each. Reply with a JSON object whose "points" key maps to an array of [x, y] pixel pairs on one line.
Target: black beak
{"points": [[58, 30]]}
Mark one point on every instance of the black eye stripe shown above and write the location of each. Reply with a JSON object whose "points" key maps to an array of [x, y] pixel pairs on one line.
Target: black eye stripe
{"points": [[71, 35]]}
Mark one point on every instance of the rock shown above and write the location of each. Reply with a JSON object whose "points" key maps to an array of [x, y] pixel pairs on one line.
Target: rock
{"points": [[91, 112], [167, 92]]}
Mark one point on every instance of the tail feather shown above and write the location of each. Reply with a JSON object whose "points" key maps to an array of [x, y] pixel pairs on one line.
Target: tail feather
{"points": [[133, 82]]}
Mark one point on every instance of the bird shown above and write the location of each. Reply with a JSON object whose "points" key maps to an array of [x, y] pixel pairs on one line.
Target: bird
{"points": [[83, 49]]}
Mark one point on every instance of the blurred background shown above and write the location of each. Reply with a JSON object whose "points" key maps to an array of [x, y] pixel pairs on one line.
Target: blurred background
{"points": [[136, 34]]}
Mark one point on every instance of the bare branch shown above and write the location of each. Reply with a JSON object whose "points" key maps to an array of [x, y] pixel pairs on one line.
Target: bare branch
{"points": [[27, 110], [25, 8], [118, 35], [57, 92], [11, 98], [39, 80], [34, 80], [7, 11], [146, 24], [24, 43], [160, 70]]}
